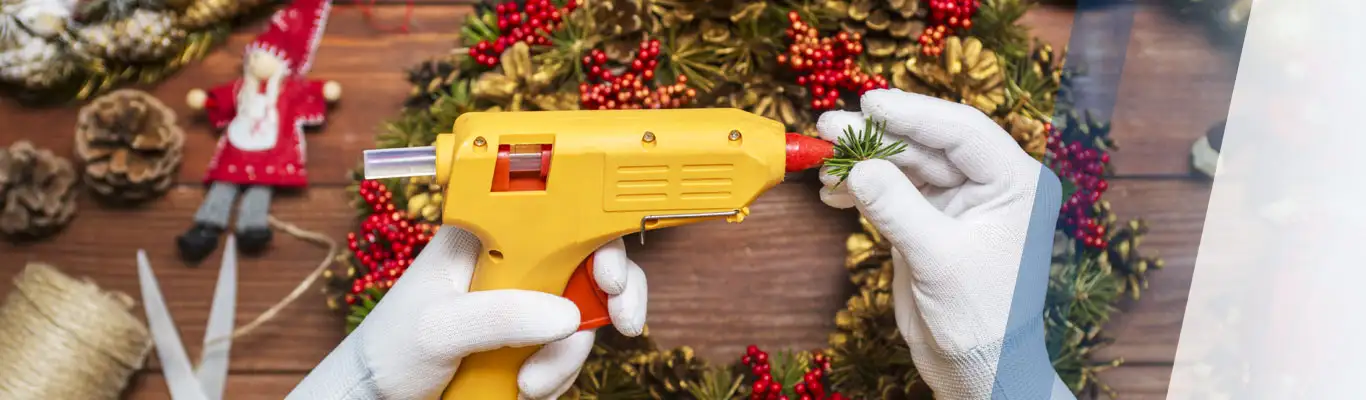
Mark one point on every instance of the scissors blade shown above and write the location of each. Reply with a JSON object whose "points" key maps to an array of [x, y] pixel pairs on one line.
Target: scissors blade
{"points": [[174, 363], [213, 362]]}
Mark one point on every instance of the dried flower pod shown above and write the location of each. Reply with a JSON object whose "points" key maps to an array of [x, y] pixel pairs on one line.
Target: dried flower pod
{"points": [[37, 195], [129, 144]]}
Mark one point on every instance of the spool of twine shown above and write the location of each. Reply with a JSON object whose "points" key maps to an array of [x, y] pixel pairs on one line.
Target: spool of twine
{"points": [[62, 338]]}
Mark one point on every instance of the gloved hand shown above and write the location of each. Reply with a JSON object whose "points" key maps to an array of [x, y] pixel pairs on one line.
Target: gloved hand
{"points": [[971, 219], [411, 344]]}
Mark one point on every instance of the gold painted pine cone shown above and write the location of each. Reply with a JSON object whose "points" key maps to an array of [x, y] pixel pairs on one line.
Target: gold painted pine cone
{"points": [[424, 199], [966, 72], [129, 144], [37, 191], [1028, 132]]}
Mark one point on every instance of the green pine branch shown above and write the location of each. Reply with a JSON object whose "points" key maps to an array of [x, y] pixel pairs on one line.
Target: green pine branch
{"points": [[997, 25], [856, 146]]}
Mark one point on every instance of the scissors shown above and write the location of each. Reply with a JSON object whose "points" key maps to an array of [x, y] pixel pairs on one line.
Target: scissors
{"points": [[207, 381]]}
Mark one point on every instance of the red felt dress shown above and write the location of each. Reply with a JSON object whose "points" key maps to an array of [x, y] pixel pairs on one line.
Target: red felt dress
{"points": [[265, 145]]}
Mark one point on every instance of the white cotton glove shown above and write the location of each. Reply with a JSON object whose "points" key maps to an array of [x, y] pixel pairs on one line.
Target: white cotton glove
{"points": [[971, 219], [410, 345]]}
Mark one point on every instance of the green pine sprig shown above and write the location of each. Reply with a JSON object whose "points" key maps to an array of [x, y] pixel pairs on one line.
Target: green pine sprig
{"points": [[997, 25], [362, 309], [857, 146], [718, 383]]}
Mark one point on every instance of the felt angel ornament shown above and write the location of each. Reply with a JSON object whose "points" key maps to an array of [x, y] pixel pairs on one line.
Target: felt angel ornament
{"points": [[263, 115]]}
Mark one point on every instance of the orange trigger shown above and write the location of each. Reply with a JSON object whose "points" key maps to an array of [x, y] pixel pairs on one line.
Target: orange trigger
{"points": [[583, 290]]}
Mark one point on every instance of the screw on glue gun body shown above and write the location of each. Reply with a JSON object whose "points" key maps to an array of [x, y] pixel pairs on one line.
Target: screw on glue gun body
{"points": [[543, 190]]}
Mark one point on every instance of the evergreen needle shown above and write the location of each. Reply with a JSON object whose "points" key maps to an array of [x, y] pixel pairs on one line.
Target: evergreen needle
{"points": [[857, 146]]}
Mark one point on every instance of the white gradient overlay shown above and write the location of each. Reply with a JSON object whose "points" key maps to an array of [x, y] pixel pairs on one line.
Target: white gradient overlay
{"points": [[1277, 305]]}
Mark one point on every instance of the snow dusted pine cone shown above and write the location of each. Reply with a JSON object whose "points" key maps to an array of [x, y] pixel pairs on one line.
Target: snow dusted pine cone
{"points": [[143, 36], [32, 62]]}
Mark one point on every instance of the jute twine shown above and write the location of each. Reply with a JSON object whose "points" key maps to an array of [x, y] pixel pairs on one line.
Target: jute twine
{"points": [[62, 338], [274, 310]]}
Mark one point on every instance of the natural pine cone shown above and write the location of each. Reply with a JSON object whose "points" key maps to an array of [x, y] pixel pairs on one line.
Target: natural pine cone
{"points": [[624, 24], [966, 72], [143, 36], [667, 374], [868, 354], [37, 195], [430, 80], [130, 145], [891, 28], [34, 63]]}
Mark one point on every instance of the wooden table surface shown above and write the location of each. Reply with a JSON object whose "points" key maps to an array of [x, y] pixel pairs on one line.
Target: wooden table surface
{"points": [[775, 280]]}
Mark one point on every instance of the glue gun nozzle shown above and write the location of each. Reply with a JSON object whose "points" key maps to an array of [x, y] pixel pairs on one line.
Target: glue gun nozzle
{"points": [[400, 162]]}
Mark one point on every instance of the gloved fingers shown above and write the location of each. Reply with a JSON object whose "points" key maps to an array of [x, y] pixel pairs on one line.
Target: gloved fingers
{"points": [[892, 204], [971, 142], [923, 164], [628, 309], [559, 392], [448, 259], [903, 300], [834, 193], [467, 323], [550, 367], [610, 267]]}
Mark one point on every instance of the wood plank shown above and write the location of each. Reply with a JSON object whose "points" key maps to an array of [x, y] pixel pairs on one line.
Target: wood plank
{"points": [[1147, 330], [1173, 88], [101, 243], [713, 285], [150, 385], [775, 280], [369, 65]]}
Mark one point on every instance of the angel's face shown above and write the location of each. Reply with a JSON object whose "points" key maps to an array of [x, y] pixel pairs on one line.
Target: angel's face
{"points": [[263, 66]]}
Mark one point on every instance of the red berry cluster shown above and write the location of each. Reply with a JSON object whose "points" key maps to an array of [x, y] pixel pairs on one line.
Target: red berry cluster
{"points": [[387, 241], [826, 65], [765, 388], [629, 89], [1084, 167], [946, 17], [532, 24]]}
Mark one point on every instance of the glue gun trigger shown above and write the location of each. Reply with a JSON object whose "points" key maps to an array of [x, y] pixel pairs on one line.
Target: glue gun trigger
{"points": [[583, 290]]}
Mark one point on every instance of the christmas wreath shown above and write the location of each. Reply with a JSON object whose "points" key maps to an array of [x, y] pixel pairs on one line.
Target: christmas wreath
{"points": [[787, 60], [56, 51]]}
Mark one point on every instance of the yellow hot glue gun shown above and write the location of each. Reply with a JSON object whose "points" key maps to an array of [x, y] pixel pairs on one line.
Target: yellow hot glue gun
{"points": [[543, 190]]}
